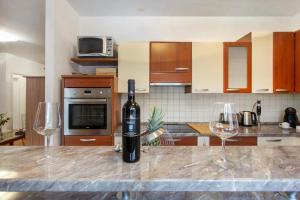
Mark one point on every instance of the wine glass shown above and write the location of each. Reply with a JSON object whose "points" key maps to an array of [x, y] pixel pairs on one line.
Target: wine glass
{"points": [[47, 120], [224, 124]]}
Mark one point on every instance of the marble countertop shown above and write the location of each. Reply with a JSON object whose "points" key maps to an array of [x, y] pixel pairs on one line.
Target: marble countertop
{"points": [[89, 169], [266, 130]]}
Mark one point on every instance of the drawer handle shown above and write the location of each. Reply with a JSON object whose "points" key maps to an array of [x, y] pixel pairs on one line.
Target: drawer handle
{"points": [[274, 140], [140, 89], [182, 69], [232, 89], [281, 90], [88, 140], [262, 90], [202, 90], [232, 140]]}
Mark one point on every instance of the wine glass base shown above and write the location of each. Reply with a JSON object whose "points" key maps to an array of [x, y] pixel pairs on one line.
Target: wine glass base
{"points": [[224, 163]]}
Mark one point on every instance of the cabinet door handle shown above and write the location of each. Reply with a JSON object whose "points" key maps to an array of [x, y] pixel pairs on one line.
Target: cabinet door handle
{"points": [[262, 90], [274, 140], [232, 89], [281, 90], [140, 89], [88, 140], [182, 69], [201, 90]]}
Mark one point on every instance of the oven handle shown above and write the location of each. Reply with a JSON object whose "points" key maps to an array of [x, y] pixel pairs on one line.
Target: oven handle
{"points": [[86, 100]]}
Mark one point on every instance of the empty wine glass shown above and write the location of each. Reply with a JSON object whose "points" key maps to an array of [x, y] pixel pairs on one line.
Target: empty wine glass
{"points": [[47, 121], [224, 124]]}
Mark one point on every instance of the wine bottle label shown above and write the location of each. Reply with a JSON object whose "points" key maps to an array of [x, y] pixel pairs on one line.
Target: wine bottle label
{"points": [[131, 128]]}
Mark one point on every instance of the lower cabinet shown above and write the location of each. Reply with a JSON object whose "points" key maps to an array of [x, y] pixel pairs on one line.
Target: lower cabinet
{"points": [[234, 141], [185, 141], [88, 140], [278, 141]]}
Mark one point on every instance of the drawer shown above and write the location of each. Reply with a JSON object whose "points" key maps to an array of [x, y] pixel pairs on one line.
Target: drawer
{"points": [[235, 141], [186, 141], [279, 141], [88, 140]]}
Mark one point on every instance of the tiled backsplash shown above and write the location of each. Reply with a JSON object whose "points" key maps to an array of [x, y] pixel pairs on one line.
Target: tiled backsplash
{"points": [[181, 107]]}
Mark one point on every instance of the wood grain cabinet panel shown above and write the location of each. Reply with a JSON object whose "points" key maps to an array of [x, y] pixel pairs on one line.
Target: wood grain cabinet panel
{"points": [[88, 140], [171, 62], [283, 55], [185, 141], [234, 141], [35, 93]]}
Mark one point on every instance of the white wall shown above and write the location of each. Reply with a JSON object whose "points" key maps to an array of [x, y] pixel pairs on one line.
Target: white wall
{"points": [[194, 29], [14, 65], [61, 36]]}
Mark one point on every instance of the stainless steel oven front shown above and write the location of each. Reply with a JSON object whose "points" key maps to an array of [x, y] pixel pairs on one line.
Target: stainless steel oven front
{"points": [[87, 111]]}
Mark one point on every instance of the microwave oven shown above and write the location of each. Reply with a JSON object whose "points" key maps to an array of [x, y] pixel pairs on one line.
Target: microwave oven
{"points": [[96, 46]]}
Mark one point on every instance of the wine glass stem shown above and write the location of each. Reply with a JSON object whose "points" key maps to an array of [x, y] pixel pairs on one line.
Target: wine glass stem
{"points": [[47, 141], [223, 149]]}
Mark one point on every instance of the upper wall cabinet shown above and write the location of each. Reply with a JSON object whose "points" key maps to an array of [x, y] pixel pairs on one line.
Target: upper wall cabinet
{"points": [[297, 61], [207, 68], [170, 63], [262, 62], [133, 64], [237, 67], [283, 55]]}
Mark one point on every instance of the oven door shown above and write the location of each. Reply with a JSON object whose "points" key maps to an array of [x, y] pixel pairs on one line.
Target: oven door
{"points": [[87, 116]]}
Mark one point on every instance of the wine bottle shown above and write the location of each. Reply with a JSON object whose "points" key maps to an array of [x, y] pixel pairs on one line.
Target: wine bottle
{"points": [[131, 126]]}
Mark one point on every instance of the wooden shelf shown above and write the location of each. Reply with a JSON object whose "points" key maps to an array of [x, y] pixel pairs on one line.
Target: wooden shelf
{"points": [[95, 61]]}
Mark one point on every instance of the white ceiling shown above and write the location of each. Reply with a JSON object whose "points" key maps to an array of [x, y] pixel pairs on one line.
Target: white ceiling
{"points": [[26, 20], [186, 7]]}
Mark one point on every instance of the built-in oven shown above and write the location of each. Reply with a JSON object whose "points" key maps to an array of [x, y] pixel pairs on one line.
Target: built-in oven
{"points": [[87, 111]]}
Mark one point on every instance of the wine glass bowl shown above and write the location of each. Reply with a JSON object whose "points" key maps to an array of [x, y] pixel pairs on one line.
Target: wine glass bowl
{"points": [[47, 120], [224, 124]]}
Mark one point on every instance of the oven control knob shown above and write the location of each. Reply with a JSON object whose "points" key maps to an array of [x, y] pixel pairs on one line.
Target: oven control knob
{"points": [[101, 92]]}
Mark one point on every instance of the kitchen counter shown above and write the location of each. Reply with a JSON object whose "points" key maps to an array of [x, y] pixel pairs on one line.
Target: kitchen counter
{"points": [[89, 169], [266, 130]]}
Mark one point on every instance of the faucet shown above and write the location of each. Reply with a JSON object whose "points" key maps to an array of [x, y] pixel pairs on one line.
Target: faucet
{"points": [[257, 104]]}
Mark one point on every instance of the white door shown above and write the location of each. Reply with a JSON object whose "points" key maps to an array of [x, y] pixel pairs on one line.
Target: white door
{"points": [[133, 63], [207, 68], [19, 102]]}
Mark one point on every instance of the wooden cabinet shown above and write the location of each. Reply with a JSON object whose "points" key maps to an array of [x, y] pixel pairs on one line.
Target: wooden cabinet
{"points": [[88, 140], [278, 141], [92, 81], [133, 64], [170, 62], [297, 61], [262, 62], [234, 141], [35, 93], [283, 55], [207, 68], [237, 67]]}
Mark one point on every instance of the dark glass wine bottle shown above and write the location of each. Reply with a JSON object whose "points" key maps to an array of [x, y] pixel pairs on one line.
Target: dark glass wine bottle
{"points": [[131, 126]]}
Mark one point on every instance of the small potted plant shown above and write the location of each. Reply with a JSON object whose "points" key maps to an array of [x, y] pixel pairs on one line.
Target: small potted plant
{"points": [[3, 120]]}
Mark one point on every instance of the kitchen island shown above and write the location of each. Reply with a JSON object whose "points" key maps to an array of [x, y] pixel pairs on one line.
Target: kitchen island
{"points": [[172, 169]]}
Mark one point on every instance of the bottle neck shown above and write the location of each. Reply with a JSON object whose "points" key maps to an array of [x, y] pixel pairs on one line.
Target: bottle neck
{"points": [[131, 96]]}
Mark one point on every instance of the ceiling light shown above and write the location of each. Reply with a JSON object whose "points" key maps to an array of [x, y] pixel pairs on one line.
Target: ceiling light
{"points": [[7, 37]]}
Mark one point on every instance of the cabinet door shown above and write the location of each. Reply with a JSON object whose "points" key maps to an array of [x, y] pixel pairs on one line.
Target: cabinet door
{"points": [[278, 141], [297, 61], [234, 141], [170, 62], [262, 62], [133, 61], [283, 56], [237, 67], [207, 68]]}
